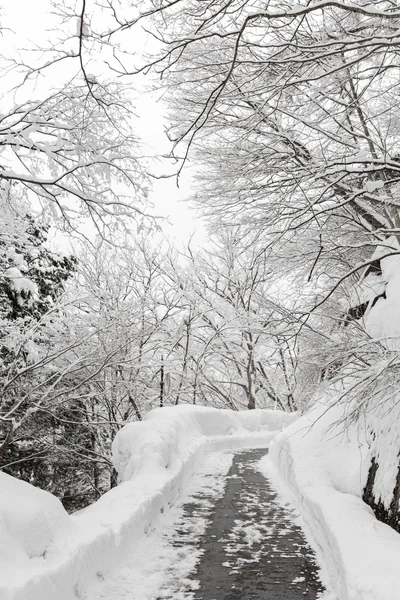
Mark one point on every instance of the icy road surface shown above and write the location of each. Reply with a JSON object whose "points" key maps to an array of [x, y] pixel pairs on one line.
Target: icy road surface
{"points": [[227, 538]]}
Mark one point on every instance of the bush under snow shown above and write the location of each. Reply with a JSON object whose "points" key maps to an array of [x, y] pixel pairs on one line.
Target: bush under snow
{"points": [[28, 519]]}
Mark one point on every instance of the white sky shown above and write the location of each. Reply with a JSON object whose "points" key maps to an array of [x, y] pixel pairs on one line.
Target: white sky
{"points": [[169, 200], [28, 21]]}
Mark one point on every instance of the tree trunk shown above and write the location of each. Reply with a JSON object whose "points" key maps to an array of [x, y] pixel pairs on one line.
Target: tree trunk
{"points": [[162, 387]]}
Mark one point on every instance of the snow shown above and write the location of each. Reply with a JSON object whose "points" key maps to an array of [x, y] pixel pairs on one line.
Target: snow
{"points": [[383, 320], [167, 435], [29, 519], [372, 186], [155, 459], [163, 563], [17, 258], [383, 440], [47, 554], [367, 290], [19, 282], [324, 469]]}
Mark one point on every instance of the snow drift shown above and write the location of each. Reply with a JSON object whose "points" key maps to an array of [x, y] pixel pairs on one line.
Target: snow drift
{"points": [[46, 554], [168, 434], [28, 519], [382, 320], [325, 466]]}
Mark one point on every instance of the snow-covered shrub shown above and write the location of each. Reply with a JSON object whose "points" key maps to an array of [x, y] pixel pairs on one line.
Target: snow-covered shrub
{"points": [[32, 326], [30, 519]]}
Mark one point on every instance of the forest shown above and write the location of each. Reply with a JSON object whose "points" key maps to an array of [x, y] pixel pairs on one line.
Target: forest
{"points": [[287, 118]]}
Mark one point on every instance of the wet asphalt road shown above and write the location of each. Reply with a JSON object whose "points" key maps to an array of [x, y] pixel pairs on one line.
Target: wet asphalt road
{"points": [[252, 549]]}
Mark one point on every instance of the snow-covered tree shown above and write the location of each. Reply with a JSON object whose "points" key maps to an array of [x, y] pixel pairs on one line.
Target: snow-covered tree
{"points": [[288, 110], [67, 125], [234, 343], [32, 282]]}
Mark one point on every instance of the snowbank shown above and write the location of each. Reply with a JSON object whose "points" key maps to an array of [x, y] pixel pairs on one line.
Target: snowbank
{"points": [[382, 321], [167, 434], [383, 436], [55, 556], [28, 519], [325, 468]]}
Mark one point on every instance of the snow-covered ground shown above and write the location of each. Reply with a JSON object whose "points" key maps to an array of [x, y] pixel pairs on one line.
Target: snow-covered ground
{"points": [[163, 562], [47, 554], [324, 468], [158, 566]]}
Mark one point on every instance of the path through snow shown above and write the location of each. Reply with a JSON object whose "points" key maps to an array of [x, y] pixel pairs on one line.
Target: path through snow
{"points": [[227, 538]]}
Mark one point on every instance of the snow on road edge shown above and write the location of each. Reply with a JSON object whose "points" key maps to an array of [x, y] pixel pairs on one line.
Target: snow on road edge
{"points": [[325, 469], [163, 563]]}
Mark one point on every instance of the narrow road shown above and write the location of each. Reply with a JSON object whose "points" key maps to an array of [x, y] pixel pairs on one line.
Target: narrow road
{"points": [[227, 538], [252, 547]]}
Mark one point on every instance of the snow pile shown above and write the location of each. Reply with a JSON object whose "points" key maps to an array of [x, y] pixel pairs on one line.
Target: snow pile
{"points": [[57, 555], [383, 320], [383, 437], [164, 563], [29, 517], [325, 467], [166, 435]]}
